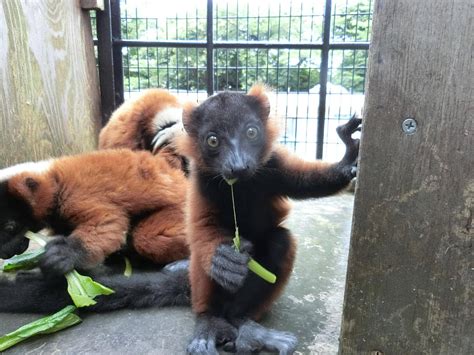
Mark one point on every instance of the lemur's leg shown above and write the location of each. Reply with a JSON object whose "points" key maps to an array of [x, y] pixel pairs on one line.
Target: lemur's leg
{"points": [[161, 237], [102, 234]]}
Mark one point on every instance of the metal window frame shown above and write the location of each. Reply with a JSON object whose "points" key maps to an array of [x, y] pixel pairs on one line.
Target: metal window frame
{"points": [[110, 46]]}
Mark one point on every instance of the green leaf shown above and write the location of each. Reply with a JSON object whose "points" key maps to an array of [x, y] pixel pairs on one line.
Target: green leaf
{"points": [[50, 324], [128, 268], [258, 269], [236, 239], [25, 261], [37, 237], [83, 289]]}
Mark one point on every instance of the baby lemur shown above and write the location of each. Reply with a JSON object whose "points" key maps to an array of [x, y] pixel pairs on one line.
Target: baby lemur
{"points": [[232, 136]]}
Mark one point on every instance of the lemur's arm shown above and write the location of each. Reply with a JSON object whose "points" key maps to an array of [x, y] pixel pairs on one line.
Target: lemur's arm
{"points": [[298, 178], [89, 244], [218, 258]]}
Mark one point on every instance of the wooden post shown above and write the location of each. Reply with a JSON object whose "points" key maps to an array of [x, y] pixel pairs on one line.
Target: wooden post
{"points": [[410, 276], [49, 97]]}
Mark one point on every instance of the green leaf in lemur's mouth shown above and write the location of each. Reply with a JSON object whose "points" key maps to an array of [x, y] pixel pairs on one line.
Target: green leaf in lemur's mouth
{"points": [[25, 261], [60, 320], [28, 260], [36, 237]]}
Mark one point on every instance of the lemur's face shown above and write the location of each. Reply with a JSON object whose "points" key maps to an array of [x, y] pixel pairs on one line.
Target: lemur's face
{"points": [[14, 223], [231, 135]]}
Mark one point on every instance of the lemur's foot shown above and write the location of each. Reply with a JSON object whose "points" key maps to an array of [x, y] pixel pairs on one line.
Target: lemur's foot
{"points": [[209, 332], [229, 267], [62, 255], [253, 337], [349, 162], [166, 135]]}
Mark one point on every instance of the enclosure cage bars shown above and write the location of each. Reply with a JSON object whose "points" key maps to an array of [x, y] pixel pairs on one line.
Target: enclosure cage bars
{"points": [[110, 44]]}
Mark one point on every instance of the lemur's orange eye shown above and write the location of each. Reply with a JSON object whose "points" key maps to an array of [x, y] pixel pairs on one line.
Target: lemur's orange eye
{"points": [[213, 141], [252, 132]]}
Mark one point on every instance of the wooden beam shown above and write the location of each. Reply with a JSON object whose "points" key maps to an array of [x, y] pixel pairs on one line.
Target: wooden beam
{"points": [[92, 4], [49, 92], [410, 276]]}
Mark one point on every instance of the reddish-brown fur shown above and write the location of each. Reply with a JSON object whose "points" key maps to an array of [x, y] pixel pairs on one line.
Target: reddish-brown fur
{"points": [[158, 236], [98, 193], [131, 125]]}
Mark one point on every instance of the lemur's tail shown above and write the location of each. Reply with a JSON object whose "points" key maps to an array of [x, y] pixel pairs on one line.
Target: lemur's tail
{"points": [[32, 293]]}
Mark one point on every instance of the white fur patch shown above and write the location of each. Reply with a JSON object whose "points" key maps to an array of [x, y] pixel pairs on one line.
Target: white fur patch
{"points": [[166, 136], [33, 167], [166, 116]]}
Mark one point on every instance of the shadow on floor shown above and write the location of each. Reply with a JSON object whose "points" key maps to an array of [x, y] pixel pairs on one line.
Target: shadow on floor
{"points": [[311, 307]]}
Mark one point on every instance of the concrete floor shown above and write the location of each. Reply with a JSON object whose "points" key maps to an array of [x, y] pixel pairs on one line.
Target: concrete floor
{"points": [[311, 306]]}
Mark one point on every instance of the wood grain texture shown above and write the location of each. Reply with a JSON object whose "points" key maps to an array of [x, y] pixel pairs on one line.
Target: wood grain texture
{"points": [[49, 99], [410, 276]]}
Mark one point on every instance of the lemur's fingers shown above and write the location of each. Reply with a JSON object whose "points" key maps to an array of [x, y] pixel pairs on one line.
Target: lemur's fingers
{"points": [[255, 337], [202, 346], [230, 281], [226, 333], [354, 171], [246, 246], [205, 333], [229, 267], [61, 256], [164, 136], [346, 130]]}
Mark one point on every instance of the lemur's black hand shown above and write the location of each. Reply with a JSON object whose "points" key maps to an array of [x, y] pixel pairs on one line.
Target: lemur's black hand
{"points": [[229, 267], [61, 256], [349, 161]]}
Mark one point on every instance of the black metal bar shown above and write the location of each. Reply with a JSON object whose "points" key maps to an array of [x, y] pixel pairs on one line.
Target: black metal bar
{"points": [[239, 44], [323, 78], [210, 49], [117, 50], [106, 64]]}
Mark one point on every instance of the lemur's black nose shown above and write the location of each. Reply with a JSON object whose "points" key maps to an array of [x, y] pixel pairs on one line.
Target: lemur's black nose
{"points": [[240, 171], [236, 172]]}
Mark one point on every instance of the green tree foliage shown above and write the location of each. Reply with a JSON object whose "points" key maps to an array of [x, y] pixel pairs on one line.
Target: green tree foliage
{"points": [[353, 25], [237, 69]]}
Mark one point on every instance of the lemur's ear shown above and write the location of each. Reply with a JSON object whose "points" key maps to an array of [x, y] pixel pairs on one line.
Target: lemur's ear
{"points": [[25, 185], [188, 110], [259, 92]]}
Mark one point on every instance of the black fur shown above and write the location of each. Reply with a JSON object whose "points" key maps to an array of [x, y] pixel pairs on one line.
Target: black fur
{"points": [[236, 155], [253, 337], [32, 293], [210, 332], [220, 126], [254, 290], [62, 255], [15, 220]]}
